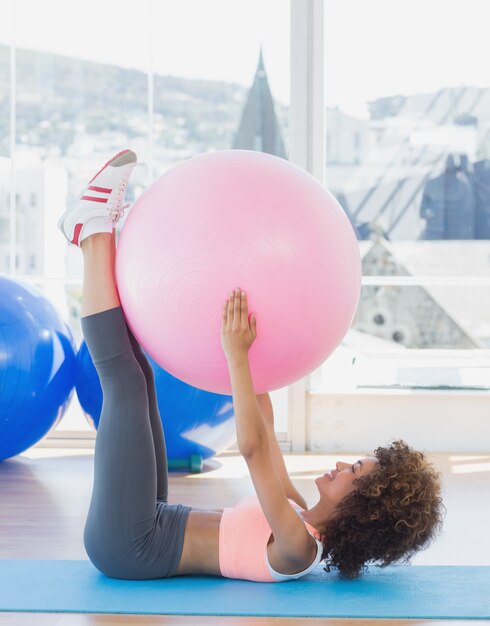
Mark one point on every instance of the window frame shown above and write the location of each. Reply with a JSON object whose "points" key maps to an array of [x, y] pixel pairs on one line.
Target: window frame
{"points": [[307, 149]]}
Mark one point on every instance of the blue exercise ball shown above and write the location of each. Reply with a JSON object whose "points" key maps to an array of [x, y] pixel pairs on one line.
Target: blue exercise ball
{"points": [[196, 423], [37, 366]]}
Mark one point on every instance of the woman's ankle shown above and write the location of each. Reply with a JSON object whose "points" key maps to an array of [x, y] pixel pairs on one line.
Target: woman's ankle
{"points": [[96, 226], [96, 238]]}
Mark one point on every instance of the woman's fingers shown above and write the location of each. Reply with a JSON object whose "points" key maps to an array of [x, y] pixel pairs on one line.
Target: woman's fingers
{"points": [[229, 310], [235, 308], [244, 309]]}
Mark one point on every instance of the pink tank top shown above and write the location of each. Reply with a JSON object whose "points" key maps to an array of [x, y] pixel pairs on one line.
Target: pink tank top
{"points": [[244, 533]]}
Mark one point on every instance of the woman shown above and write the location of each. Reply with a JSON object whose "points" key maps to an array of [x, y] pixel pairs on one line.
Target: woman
{"points": [[382, 508]]}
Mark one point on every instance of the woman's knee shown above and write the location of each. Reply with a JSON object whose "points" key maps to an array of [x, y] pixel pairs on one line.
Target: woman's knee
{"points": [[110, 554], [128, 372]]}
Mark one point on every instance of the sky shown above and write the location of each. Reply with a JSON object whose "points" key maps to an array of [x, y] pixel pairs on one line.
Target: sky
{"points": [[373, 48]]}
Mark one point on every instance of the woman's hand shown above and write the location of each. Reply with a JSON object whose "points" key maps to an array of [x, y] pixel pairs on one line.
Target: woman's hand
{"points": [[237, 332]]}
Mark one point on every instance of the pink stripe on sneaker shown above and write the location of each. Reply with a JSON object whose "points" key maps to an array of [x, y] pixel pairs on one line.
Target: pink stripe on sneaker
{"points": [[76, 234], [100, 189], [94, 199]]}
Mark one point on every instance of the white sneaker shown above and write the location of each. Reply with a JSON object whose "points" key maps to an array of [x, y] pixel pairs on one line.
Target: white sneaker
{"points": [[102, 198]]}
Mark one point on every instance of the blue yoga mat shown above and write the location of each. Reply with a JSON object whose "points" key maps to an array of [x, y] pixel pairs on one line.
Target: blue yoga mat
{"points": [[393, 592]]}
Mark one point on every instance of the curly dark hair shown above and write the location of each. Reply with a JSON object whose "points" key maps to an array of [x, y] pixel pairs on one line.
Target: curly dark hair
{"points": [[394, 511]]}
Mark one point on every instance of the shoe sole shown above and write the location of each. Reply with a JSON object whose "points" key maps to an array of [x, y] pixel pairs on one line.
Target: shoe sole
{"points": [[119, 154]]}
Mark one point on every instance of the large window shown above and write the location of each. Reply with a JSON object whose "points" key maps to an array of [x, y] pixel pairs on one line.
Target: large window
{"points": [[408, 157], [407, 120], [170, 80]]}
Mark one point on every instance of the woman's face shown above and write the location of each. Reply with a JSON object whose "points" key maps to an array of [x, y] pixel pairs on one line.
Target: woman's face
{"points": [[338, 483]]}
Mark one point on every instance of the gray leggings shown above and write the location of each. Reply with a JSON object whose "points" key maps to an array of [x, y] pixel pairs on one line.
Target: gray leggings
{"points": [[131, 531]]}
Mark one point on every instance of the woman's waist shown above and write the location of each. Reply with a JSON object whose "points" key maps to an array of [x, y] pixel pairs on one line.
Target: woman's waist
{"points": [[200, 553]]}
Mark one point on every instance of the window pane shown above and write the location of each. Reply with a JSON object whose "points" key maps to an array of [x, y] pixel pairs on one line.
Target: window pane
{"points": [[408, 157], [169, 80]]}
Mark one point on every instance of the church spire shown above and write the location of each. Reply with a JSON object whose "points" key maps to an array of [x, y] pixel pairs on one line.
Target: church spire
{"points": [[259, 128], [260, 66]]}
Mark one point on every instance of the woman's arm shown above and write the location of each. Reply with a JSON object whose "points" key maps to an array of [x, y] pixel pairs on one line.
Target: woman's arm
{"points": [[267, 411], [250, 427], [292, 541], [255, 428]]}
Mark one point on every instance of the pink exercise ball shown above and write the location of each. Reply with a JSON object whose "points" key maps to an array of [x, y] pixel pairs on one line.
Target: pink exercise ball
{"points": [[238, 218]]}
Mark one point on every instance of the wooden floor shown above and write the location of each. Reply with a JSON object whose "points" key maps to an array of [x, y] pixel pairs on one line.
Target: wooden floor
{"points": [[45, 493]]}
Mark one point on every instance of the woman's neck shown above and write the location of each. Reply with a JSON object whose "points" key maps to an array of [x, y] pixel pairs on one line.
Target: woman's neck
{"points": [[318, 515]]}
